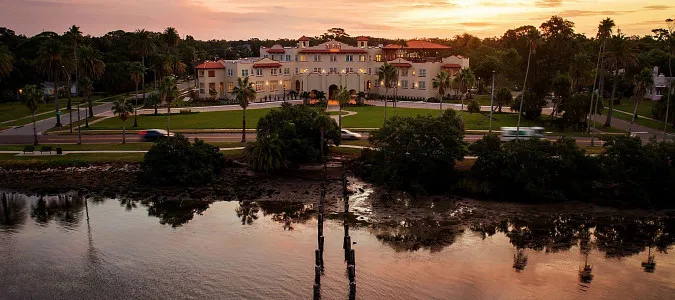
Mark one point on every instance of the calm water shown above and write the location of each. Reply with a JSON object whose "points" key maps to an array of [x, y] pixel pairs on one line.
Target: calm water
{"points": [[228, 250]]}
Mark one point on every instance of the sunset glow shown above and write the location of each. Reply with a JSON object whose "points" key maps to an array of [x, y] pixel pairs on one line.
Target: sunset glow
{"points": [[242, 19]]}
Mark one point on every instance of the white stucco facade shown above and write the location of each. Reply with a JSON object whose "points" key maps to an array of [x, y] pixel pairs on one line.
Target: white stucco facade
{"points": [[660, 86], [329, 65]]}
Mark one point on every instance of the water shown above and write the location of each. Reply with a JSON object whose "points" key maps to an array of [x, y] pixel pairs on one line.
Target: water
{"points": [[227, 250]]}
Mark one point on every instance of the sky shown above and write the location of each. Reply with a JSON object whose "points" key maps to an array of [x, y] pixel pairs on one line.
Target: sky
{"points": [[243, 19]]}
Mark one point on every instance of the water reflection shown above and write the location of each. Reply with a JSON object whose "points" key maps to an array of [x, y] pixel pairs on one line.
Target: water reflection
{"points": [[413, 235], [12, 211], [176, 213], [66, 210], [247, 211], [287, 213]]}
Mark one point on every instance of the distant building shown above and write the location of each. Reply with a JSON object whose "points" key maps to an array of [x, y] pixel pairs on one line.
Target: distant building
{"points": [[329, 65], [48, 88], [660, 85]]}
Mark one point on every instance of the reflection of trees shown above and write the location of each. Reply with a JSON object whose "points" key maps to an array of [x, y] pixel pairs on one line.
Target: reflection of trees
{"points": [[413, 235], [128, 203], [64, 209], [649, 265], [12, 214], [519, 260], [176, 213], [585, 246], [286, 213], [247, 211], [624, 237]]}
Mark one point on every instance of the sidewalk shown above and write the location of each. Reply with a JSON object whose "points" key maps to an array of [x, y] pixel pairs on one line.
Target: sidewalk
{"points": [[37, 153], [642, 131]]}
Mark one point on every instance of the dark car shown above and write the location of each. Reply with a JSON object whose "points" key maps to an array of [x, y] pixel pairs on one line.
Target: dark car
{"points": [[152, 135]]}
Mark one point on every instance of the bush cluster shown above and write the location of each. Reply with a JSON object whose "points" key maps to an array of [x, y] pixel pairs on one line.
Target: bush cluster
{"points": [[174, 160]]}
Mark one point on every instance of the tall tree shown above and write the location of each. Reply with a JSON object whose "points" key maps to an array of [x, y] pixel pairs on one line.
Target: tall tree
{"points": [[244, 93], [532, 38], [90, 65], [621, 53], [144, 46], [136, 71], [343, 96], [169, 92], [122, 109], [643, 82], [562, 89], [467, 79], [388, 76], [605, 29], [50, 62], [442, 83], [86, 86], [74, 35], [580, 71], [171, 37], [6, 61], [671, 49], [32, 96]]}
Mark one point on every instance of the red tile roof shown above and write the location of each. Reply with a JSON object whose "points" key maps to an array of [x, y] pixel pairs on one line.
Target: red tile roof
{"points": [[451, 66], [417, 45], [401, 65], [362, 38], [211, 65], [276, 50], [303, 38], [333, 51], [266, 65]]}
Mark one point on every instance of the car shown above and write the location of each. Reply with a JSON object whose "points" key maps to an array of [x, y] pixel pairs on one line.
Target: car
{"points": [[151, 135], [348, 135], [527, 133]]}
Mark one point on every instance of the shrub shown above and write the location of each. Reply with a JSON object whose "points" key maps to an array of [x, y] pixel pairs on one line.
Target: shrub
{"points": [[265, 154], [29, 149], [473, 107], [416, 154], [432, 99], [532, 106], [174, 160], [46, 149], [185, 111]]}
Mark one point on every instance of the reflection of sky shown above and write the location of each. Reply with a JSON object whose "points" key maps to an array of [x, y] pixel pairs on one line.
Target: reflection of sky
{"points": [[214, 256], [242, 19]]}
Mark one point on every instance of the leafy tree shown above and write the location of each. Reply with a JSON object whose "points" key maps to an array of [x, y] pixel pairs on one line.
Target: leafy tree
{"points": [[417, 154], [503, 97], [265, 154], [387, 74], [442, 83], [169, 92], [622, 53], [176, 161], [153, 100], [6, 62], [580, 71], [643, 82], [343, 96], [305, 97], [473, 107], [576, 109], [532, 106], [467, 79], [32, 96], [50, 62], [562, 89], [171, 37], [532, 40], [244, 93], [122, 109], [659, 110]]}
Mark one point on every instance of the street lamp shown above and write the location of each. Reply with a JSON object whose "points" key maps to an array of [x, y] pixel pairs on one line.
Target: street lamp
{"points": [[492, 97]]}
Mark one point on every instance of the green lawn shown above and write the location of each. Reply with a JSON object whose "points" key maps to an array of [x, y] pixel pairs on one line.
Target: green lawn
{"points": [[372, 117], [641, 121], [69, 159], [97, 147], [203, 120], [16, 110], [644, 107]]}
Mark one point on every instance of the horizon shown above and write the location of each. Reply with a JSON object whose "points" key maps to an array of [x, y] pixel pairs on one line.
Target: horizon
{"points": [[446, 19]]}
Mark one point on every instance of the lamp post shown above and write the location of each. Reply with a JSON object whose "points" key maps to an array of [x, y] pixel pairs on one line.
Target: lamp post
{"points": [[492, 97], [56, 101]]}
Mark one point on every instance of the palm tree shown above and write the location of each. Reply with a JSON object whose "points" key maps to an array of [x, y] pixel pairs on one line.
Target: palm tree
{"points": [[86, 86], [343, 96], [168, 91], [50, 62], [171, 37], [643, 82], [671, 48], [32, 96], [122, 109], [244, 93], [532, 38], [90, 65], [467, 78], [74, 35], [177, 66], [323, 122], [579, 71], [144, 46], [136, 71], [441, 82], [6, 62], [387, 75], [622, 53], [153, 100]]}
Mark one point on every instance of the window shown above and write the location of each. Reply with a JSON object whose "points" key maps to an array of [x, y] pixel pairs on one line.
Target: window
{"points": [[297, 71], [422, 73], [287, 84], [378, 57], [349, 57], [303, 58], [212, 88], [229, 72], [288, 57], [287, 71], [332, 70], [317, 70], [201, 73], [422, 85], [265, 56], [350, 70], [212, 73], [230, 87], [273, 72], [258, 72], [201, 88], [244, 73], [316, 57], [362, 58], [259, 85], [221, 87], [404, 84], [370, 71], [273, 86], [404, 72]]}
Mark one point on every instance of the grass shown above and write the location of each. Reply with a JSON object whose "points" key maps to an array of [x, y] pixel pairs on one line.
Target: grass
{"points": [[112, 147], [10, 160], [372, 117], [644, 107], [203, 120], [640, 121], [16, 110]]}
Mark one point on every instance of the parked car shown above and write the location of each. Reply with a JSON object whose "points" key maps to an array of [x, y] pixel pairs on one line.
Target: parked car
{"points": [[348, 135], [152, 135]]}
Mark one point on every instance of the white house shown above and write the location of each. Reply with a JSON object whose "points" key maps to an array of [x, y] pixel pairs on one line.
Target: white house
{"points": [[660, 85]]}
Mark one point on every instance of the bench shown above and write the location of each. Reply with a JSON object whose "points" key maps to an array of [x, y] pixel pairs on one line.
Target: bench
{"points": [[46, 149], [30, 149]]}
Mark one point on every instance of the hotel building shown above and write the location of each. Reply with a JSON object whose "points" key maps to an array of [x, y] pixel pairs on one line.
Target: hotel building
{"points": [[329, 65]]}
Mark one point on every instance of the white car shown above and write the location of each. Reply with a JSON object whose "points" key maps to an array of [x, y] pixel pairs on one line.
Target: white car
{"points": [[348, 135]]}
